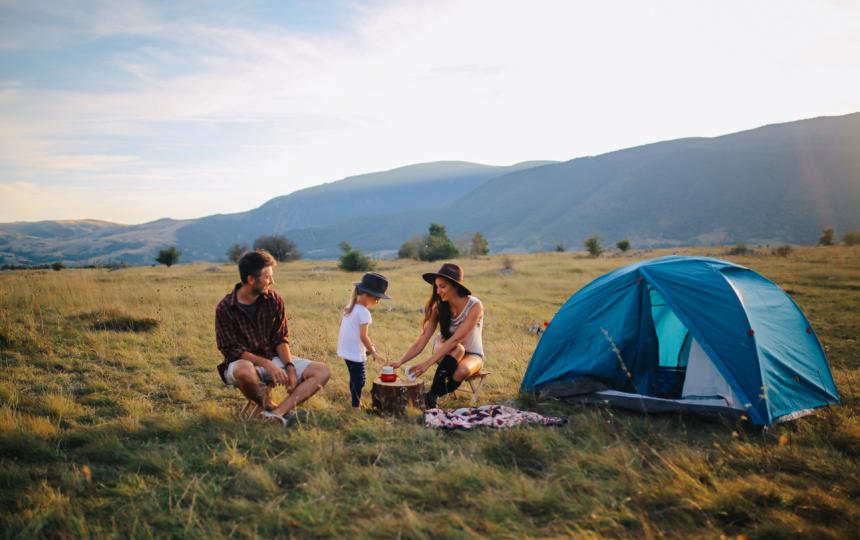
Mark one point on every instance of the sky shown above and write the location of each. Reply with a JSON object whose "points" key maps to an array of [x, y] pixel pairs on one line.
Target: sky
{"points": [[131, 111]]}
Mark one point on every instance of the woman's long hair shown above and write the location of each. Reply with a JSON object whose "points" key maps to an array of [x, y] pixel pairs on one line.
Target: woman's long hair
{"points": [[443, 308], [348, 309]]}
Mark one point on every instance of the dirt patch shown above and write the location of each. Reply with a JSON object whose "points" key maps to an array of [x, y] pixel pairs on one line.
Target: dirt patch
{"points": [[114, 321]]}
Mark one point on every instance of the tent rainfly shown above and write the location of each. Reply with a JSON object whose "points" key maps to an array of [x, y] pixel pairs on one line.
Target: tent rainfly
{"points": [[687, 333]]}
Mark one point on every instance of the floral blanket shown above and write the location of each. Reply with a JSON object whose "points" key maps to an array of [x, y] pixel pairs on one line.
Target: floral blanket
{"points": [[497, 416]]}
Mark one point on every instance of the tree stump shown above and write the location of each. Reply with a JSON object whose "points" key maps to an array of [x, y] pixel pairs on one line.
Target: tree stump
{"points": [[393, 397]]}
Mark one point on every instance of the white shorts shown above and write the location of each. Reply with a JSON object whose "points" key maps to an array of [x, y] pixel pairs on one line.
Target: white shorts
{"points": [[263, 373]]}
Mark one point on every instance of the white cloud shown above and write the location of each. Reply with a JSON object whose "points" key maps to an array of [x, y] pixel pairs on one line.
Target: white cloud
{"points": [[214, 103]]}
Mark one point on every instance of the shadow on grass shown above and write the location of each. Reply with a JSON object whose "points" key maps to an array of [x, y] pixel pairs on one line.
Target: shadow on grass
{"points": [[114, 321]]}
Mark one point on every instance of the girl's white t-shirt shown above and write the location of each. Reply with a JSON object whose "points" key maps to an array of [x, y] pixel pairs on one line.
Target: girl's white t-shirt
{"points": [[349, 345]]}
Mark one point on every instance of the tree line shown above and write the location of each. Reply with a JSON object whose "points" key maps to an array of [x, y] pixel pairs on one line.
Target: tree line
{"points": [[433, 246]]}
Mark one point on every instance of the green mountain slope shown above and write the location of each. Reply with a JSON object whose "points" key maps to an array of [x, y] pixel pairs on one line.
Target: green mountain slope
{"points": [[775, 184], [780, 183]]}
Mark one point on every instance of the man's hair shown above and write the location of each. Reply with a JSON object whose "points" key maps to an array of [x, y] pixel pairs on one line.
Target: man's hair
{"points": [[253, 262]]}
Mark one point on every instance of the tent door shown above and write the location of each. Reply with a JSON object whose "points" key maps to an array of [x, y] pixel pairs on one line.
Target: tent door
{"points": [[674, 342]]}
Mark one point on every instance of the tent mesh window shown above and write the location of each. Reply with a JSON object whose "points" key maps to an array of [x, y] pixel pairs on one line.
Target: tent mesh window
{"points": [[674, 341]]}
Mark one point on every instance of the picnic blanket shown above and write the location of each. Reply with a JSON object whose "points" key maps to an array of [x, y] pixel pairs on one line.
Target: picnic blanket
{"points": [[498, 416]]}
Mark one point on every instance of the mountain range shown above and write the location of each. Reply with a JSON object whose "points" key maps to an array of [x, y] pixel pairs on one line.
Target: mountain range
{"points": [[780, 183]]}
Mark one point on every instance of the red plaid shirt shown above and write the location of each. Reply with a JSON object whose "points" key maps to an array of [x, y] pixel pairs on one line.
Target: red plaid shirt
{"points": [[236, 333]]}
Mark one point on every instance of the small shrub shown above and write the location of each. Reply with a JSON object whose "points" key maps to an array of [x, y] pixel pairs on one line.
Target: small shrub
{"points": [[826, 238], [851, 238], [479, 245], [559, 248], [782, 251], [236, 251], [739, 249], [623, 245], [507, 263], [57, 266], [279, 246], [168, 256], [408, 250], [355, 261], [593, 245]]}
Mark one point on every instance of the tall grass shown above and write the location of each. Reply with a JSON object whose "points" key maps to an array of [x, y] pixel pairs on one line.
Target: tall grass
{"points": [[111, 428]]}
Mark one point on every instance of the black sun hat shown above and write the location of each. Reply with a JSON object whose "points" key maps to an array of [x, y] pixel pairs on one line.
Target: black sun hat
{"points": [[452, 273], [373, 284]]}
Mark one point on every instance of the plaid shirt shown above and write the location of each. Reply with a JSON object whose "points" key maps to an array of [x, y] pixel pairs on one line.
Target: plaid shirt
{"points": [[236, 333]]}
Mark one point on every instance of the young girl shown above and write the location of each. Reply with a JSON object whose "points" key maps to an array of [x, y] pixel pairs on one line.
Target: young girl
{"points": [[353, 343]]}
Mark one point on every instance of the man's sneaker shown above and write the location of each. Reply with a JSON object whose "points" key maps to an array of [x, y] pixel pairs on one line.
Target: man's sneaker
{"points": [[288, 419]]}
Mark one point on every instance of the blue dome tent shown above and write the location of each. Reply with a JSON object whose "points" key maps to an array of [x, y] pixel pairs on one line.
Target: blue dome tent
{"points": [[688, 331]]}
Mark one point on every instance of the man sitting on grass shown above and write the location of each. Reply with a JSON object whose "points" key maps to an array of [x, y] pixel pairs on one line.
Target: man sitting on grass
{"points": [[251, 333]]}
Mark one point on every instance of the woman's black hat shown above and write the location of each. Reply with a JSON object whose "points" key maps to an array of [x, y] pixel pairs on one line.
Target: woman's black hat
{"points": [[452, 273], [373, 284]]}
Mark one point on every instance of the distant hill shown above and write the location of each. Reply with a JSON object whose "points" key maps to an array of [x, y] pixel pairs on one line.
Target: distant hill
{"points": [[782, 183], [310, 216], [85, 241], [776, 184]]}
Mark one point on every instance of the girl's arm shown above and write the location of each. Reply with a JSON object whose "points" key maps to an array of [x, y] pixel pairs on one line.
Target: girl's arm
{"points": [[421, 342], [365, 339], [449, 344]]}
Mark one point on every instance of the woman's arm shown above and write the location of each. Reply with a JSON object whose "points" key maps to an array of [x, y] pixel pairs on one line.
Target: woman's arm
{"points": [[421, 342], [451, 343]]}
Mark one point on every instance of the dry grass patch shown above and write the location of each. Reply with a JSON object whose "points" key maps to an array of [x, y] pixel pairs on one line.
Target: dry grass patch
{"points": [[87, 384]]}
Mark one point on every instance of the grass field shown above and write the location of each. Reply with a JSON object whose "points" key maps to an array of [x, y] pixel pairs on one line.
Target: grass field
{"points": [[113, 422]]}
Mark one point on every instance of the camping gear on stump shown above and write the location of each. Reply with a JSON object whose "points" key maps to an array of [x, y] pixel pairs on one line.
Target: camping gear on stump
{"points": [[393, 397], [388, 374], [685, 333]]}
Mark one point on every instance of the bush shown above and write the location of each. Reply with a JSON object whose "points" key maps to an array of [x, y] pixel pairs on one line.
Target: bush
{"points": [[408, 250], [623, 245], [279, 246], [236, 251], [559, 248], [57, 266], [355, 261], [826, 237], [593, 245], [851, 238], [782, 251], [739, 249], [436, 245], [168, 256], [479, 245]]}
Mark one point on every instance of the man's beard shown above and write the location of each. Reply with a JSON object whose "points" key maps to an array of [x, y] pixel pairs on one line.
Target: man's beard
{"points": [[258, 289]]}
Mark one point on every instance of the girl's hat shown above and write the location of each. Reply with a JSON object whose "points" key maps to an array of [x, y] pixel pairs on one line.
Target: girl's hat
{"points": [[373, 284], [452, 273]]}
